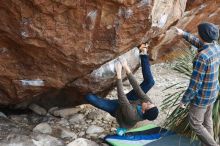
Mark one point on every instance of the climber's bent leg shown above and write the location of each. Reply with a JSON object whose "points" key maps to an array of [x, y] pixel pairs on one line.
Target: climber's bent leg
{"points": [[148, 82], [109, 106]]}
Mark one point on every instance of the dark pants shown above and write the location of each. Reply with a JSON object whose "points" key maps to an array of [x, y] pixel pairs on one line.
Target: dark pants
{"points": [[111, 106]]}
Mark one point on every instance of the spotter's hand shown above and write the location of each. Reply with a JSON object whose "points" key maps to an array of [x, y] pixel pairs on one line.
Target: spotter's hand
{"points": [[179, 31]]}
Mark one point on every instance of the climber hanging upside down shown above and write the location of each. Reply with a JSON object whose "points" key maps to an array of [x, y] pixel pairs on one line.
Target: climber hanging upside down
{"points": [[134, 106]]}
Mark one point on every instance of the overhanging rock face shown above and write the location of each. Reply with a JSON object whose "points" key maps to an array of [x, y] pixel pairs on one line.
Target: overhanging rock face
{"points": [[55, 51]]}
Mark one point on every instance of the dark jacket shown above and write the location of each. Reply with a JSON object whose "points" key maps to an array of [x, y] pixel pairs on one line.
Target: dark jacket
{"points": [[127, 115]]}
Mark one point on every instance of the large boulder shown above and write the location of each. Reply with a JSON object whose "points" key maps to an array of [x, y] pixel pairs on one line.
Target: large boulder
{"points": [[53, 52]]}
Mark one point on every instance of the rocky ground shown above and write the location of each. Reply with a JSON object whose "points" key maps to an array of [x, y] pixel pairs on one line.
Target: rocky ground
{"points": [[80, 126]]}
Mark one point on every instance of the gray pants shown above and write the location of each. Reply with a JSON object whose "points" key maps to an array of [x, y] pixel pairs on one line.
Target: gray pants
{"points": [[201, 122]]}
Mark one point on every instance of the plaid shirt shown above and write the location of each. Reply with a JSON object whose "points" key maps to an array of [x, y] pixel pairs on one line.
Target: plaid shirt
{"points": [[204, 85]]}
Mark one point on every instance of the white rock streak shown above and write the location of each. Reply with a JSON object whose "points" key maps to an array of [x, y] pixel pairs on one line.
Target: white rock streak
{"points": [[160, 23], [92, 16], [37, 82], [107, 70]]}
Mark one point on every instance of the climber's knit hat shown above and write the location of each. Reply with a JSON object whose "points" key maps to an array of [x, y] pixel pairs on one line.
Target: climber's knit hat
{"points": [[208, 32]]}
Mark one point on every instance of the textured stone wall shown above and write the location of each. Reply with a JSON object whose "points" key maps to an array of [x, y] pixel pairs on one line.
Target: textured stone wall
{"points": [[169, 45]]}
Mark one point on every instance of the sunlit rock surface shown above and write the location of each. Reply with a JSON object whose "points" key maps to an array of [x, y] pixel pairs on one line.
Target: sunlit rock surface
{"points": [[53, 52], [197, 11]]}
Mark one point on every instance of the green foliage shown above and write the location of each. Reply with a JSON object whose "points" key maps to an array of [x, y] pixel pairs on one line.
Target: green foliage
{"points": [[177, 119]]}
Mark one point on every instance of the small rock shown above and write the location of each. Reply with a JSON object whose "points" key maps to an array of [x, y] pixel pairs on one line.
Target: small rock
{"points": [[17, 140], [51, 110], [82, 133], [76, 126], [108, 117], [92, 115], [46, 140], [82, 106], [88, 136], [94, 129], [35, 119], [77, 118], [37, 109], [67, 134], [93, 136], [102, 124], [63, 122], [94, 123], [86, 113], [43, 128], [83, 122], [95, 115], [19, 118], [64, 113], [89, 121], [82, 142], [2, 115], [102, 136]]}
